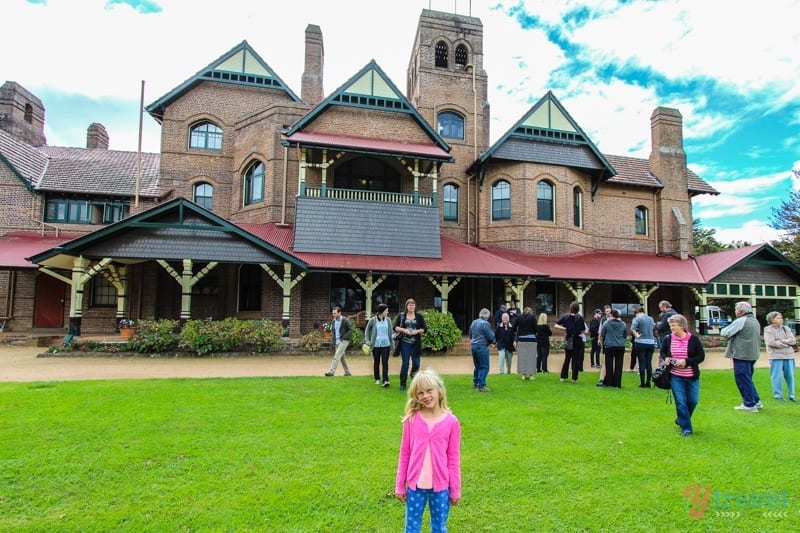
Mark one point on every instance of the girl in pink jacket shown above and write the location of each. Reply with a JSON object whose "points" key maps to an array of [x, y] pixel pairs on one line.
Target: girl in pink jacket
{"points": [[429, 468]]}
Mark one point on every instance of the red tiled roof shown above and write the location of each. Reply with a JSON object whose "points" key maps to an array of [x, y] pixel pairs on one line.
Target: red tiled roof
{"points": [[457, 258], [712, 265], [386, 146], [610, 266], [16, 246]]}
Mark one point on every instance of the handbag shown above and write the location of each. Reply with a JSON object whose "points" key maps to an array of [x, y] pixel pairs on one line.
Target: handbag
{"points": [[397, 340], [569, 343], [662, 375]]}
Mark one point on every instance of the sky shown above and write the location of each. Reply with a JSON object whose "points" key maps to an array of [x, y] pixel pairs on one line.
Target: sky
{"points": [[732, 72]]}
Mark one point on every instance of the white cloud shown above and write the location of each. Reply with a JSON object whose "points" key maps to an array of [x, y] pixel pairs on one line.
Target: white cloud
{"points": [[752, 231]]}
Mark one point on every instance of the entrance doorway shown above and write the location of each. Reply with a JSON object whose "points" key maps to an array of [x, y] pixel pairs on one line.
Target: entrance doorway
{"points": [[48, 304]]}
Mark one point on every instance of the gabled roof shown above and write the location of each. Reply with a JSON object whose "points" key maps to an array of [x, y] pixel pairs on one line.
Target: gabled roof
{"points": [[241, 65], [715, 265], [369, 88], [26, 162], [457, 258], [635, 172], [610, 266], [548, 134], [176, 230], [99, 171]]}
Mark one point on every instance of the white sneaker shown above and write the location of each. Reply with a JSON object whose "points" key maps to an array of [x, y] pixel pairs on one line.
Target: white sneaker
{"points": [[377, 382], [759, 405], [743, 407]]}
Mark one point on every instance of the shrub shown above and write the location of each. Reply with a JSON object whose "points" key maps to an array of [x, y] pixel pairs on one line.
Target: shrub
{"points": [[356, 339], [442, 332], [155, 336], [311, 341], [231, 334]]}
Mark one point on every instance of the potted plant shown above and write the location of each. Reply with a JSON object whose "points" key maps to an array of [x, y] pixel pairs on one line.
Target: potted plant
{"points": [[127, 328], [327, 331]]}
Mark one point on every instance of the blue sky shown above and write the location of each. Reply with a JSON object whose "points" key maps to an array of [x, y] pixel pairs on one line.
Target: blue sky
{"points": [[732, 69]]}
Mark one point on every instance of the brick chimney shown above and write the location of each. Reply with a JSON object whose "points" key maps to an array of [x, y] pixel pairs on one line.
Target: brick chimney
{"points": [[673, 216], [311, 91], [97, 137]]}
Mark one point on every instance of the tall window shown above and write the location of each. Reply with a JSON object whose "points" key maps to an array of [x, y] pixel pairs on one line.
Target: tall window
{"points": [[450, 202], [104, 294], [451, 125], [501, 201], [206, 136], [254, 184], [204, 195], [29, 113], [640, 214], [577, 208], [461, 55], [442, 51], [250, 288], [544, 201]]}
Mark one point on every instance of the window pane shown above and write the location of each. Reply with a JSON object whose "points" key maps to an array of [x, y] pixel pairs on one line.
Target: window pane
{"points": [[204, 195], [577, 208], [450, 202], [501, 201], [641, 220], [544, 201], [104, 294], [206, 136], [451, 125], [254, 184]]}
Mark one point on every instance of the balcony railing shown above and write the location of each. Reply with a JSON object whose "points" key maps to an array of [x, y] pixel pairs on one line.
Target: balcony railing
{"points": [[369, 196]]}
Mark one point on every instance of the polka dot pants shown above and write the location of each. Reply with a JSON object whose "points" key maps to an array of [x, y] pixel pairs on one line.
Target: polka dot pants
{"points": [[439, 503]]}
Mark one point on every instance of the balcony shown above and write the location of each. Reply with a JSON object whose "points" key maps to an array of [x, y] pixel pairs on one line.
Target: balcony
{"points": [[382, 197]]}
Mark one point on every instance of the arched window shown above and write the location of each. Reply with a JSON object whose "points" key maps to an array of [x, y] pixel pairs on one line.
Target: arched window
{"points": [[254, 183], [204, 195], [450, 202], [461, 55], [450, 125], [640, 215], [250, 288], [442, 51], [206, 136], [501, 201], [29, 113], [544, 202], [577, 208]]}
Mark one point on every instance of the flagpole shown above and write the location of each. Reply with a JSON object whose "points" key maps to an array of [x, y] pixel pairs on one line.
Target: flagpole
{"points": [[139, 151]]}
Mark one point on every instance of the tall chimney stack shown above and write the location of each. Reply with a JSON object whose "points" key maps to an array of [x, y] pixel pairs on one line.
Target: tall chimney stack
{"points": [[97, 136], [311, 91]]}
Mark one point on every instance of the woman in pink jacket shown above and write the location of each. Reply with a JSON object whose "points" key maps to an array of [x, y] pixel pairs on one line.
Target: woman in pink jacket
{"points": [[429, 467]]}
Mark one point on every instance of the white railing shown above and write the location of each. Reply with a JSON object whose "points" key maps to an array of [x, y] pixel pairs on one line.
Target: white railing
{"points": [[368, 196]]}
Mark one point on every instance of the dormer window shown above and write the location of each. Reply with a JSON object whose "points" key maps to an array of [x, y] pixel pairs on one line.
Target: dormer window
{"points": [[205, 136], [442, 53]]}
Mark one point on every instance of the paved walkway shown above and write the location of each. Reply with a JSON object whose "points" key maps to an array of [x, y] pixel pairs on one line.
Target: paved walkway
{"points": [[21, 364]]}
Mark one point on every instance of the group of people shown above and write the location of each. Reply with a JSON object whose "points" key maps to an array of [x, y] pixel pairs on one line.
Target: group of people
{"points": [[429, 467], [381, 336]]}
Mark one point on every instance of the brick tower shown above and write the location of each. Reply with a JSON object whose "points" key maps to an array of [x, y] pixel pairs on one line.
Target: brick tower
{"points": [[22, 114], [447, 84]]}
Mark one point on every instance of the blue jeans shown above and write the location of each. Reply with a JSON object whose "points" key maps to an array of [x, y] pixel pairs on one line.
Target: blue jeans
{"points": [[743, 374], [778, 370], [439, 503], [687, 393], [480, 360], [644, 355], [408, 352]]}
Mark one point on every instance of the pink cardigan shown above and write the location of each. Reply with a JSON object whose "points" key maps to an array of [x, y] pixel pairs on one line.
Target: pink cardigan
{"points": [[445, 444]]}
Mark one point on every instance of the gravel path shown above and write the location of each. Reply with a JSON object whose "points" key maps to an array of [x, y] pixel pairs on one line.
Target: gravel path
{"points": [[22, 364]]}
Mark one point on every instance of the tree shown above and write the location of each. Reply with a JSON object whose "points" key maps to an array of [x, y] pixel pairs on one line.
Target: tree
{"points": [[704, 240], [786, 218]]}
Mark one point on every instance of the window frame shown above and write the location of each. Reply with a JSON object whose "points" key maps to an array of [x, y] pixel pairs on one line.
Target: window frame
{"points": [[441, 54], [501, 207], [641, 224], [248, 188], [104, 293], [450, 205], [207, 200], [577, 207], [196, 133], [461, 50], [452, 121], [547, 203]]}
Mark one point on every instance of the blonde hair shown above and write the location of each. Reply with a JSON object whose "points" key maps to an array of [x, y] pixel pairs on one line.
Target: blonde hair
{"points": [[424, 380], [542, 319]]}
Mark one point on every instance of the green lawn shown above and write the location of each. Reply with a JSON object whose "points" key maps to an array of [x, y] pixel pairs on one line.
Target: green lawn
{"points": [[319, 455]]}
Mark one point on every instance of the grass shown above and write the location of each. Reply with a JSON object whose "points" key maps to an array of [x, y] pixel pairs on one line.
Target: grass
{"points": [[319, 455]]}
